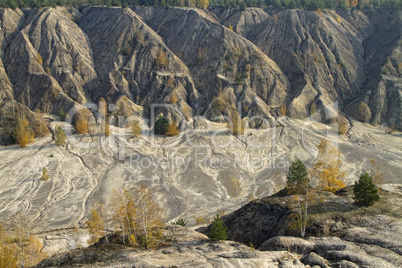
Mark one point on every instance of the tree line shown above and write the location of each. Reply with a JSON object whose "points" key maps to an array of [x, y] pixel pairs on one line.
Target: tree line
{"points": [[240, 4]]}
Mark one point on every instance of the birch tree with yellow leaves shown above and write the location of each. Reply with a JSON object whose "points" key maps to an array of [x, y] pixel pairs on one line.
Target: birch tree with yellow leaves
{"points": [[96, 224], [149, 217], [328, 167], [138, 216]]}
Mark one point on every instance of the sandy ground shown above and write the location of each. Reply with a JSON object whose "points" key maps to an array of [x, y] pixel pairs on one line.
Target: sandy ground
{"points": [[190, 174]]}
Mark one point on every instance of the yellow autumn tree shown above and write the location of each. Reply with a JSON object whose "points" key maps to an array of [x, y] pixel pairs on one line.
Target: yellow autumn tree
{"points": [[275, 17], [59, 136], [236, 126], [173, 98], [342, 126], [319, 12], [39, 59], [173, 129], [34, 251], [81, 122], [136, 129], [95, 224], [8, 251], [138, 216], [377, 173], [202, 4], [149, 217], [327, 169], [282, 109], [301, 201], [103, 116], [364, 112], [28, 248], [124, 213], [22, 132]]}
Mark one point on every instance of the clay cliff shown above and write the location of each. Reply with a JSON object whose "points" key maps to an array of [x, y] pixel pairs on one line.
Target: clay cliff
{"points": [[58, 58]]}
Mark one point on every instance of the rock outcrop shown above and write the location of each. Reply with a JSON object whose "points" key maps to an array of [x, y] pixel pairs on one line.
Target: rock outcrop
{"points": [[340, 232], [187, 248]]}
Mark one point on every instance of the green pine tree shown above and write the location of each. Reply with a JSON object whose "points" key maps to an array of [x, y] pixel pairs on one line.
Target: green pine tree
{"points": [[62, 115], [297, 179], [218, 229], [365, 191], [161, 125]]}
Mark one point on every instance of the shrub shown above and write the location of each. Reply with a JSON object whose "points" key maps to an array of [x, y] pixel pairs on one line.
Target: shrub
{"points": [[319, 12], [342, 126], [200, 220], [62, 115], [202, 53], [162, 59], [238, 79], [39, 59], [219, 103], [76, 68], [180, 222], [136, 129], [59, 136], [313, 108], [170, 83], [365, 191], [218, 229], [236, 125], [283, 110], [45, 176], [173, 98], [161, 125], [173, 129], [364, 112], [124, 51]]}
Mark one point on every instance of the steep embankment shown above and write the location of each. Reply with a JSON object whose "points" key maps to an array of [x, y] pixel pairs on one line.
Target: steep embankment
{"points": [[349, 56], [132, 60], [188, 58], [221, 61]]}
